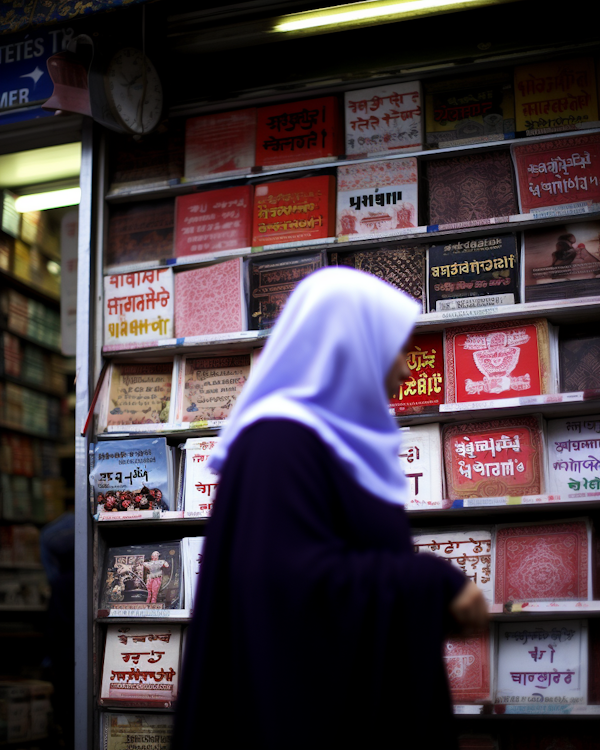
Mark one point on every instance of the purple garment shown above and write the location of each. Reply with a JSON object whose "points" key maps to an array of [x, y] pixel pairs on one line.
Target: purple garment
{"points": [[317, 626]]}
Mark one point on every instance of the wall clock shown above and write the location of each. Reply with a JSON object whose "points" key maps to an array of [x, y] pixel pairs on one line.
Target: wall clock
{"points": [[133, 91]]}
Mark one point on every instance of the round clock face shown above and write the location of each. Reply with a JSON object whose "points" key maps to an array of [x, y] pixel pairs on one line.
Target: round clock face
{"points": [[134, 91]]}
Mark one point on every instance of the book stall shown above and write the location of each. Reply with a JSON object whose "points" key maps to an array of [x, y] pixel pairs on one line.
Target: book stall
{"points": [[476, 193]]}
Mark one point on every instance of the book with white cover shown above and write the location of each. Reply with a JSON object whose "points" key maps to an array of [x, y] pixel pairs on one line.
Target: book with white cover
{"points": [[141, 664], [542, 662], [574, 457], [470, 550], [421, 460], [191, 562], [200, 483]]}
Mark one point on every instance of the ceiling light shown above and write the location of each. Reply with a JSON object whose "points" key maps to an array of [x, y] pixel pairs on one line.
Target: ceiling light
{"points": [[43, 201], [372, 11]]}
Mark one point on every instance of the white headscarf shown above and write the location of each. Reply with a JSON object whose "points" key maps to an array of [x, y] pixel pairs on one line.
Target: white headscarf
{"points": [[325, 365]]}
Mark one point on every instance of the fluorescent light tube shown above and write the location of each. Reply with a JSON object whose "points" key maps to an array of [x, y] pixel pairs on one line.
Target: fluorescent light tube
{"points": [[367, 11], [43, 201]]}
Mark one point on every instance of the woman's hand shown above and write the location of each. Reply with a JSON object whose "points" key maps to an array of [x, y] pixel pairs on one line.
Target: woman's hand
{"points": [[469, 609]]}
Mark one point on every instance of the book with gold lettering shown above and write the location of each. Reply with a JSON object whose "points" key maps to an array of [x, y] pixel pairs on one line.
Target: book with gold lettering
{"points": [[556, 94], [208, 387], [469, 110], [469, 273], [142, 665], [424, 389]]}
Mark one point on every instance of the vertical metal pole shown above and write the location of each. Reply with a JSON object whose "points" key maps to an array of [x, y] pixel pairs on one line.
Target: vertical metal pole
{"points": [[84, 712]]}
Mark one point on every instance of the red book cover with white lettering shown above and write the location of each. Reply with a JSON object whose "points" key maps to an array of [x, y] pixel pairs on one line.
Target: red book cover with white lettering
{"points": [[559, 171], [218, 143], [294, 210], [213, 221], [543, 562], [467, 661], [424, 390], [495, 458], [498, 360], [298, 131], [210, 300]]}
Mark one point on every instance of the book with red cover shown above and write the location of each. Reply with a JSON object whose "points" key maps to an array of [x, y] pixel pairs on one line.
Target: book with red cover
{"points": [[424, 390], [377, 197], [495, 458], [498, 360], [467, 661], [213, 221], [543, 561], [470, 188], [139, 232], [222, 142], [298, 131], [210, 300], [294, 210], [558, 171]]}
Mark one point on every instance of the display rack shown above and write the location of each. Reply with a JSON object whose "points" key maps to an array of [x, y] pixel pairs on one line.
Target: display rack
{"points": [[97, 533]]}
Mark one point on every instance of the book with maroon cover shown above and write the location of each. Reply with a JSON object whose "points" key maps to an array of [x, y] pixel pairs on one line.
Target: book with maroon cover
{"points": [[384, 118], [495, 458], [155, 158], [216, 143], [579, 357], [139, 232], [424, 390], [468, 665], [213, 221], [557, 172], [294, 211], [272, 282], [402, 267], [377, 197], [555, 94], [298, 131], [543, 561], [470, 188], [210, 300], [500, 360], [562, 261]]}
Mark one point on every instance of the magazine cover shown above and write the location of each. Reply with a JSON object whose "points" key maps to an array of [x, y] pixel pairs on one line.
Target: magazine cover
{"points": [[142, 576]]}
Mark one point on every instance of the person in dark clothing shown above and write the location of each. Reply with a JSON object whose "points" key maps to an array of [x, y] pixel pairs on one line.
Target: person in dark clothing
{"points": [[316, 623]]}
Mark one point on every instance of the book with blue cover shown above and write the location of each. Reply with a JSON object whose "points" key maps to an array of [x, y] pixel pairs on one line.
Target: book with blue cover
{"points": [[132, 475]]}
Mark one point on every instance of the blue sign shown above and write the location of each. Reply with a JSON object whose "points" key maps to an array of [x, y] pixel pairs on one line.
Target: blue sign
{"points": [[24, 79]]}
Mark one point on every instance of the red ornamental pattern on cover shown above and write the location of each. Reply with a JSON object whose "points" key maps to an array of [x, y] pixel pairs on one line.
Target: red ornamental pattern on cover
{"points": [[552, 173], [493, 459], [209, 300], [546, 562], [377, 197], [214, 221], [138, 306], [485, 363], [467, 662], [383, 118]]}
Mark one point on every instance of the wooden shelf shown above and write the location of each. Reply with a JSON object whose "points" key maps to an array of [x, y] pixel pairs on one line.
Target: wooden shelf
{"points": [[30, 288], [32, 340], [33, 386], [181, 187]]}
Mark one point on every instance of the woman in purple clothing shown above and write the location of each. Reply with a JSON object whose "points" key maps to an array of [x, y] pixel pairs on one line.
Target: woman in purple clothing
{"points": [[317, 625]]}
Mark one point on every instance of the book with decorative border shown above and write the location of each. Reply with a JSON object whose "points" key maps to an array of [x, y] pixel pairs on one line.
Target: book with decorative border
{"points": [[495, 458], [468, 662], [500, 360], [543, 561], [208, 387]]}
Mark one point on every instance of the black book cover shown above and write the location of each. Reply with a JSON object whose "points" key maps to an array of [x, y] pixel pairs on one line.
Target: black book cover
{"points": [[579, 356]]}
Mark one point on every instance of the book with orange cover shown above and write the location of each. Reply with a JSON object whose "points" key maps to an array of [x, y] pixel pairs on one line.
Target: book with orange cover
{"points": [[294, 210]]}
